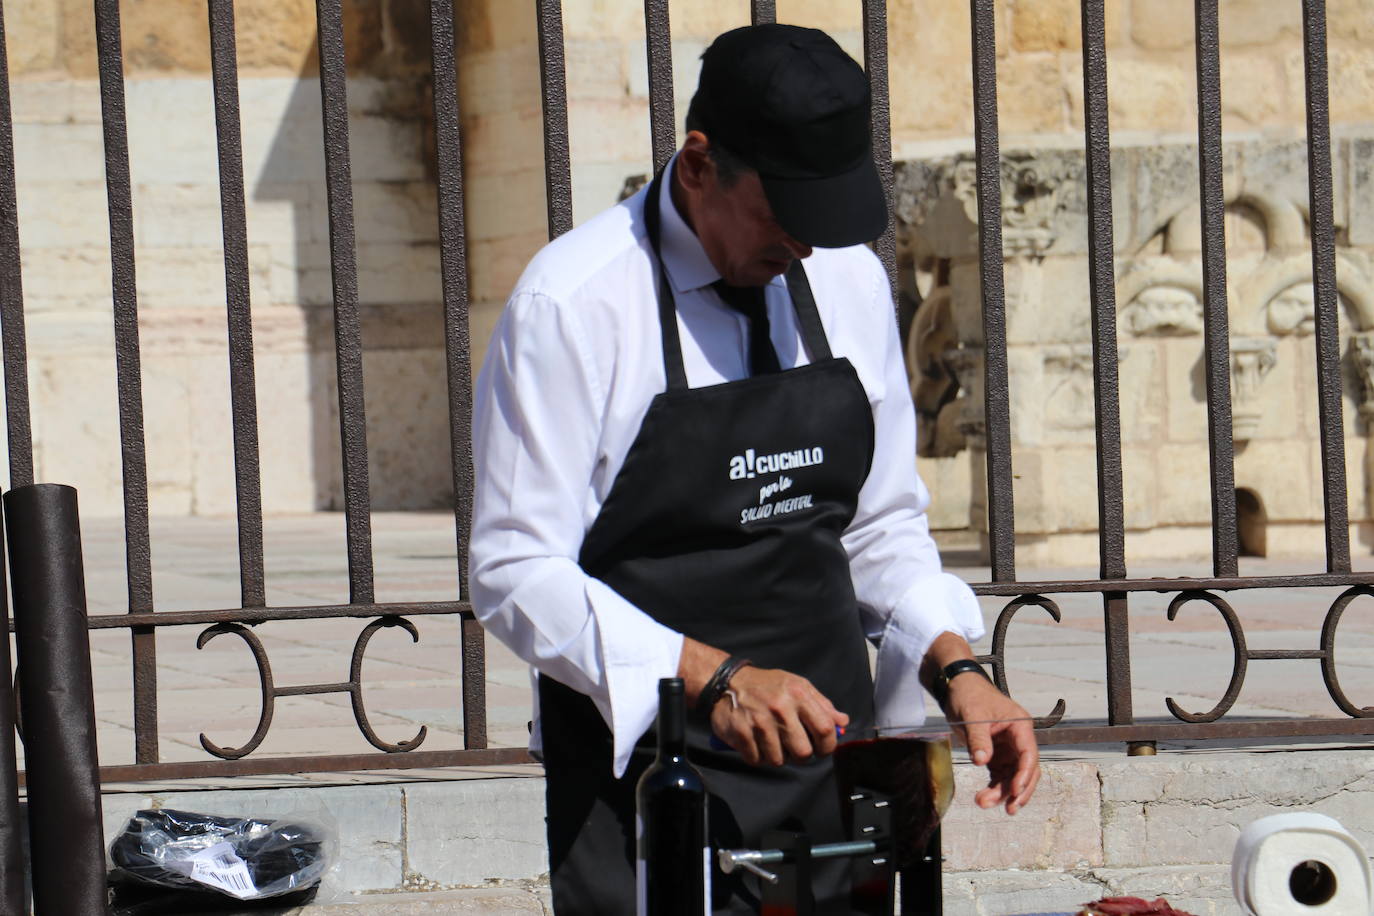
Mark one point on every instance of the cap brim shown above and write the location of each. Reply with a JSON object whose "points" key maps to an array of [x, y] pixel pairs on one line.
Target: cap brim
{"points": [[832, 212]]}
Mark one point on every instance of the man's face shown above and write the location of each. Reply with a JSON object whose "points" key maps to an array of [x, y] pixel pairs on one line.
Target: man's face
{"points": [[737, 229]]}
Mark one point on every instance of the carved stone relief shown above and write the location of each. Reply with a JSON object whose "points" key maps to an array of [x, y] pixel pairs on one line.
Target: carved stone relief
{"points": [[1362, 356], [1252, 358]]}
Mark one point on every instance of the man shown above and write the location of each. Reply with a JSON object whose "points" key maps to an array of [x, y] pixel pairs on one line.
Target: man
{"points": [[696, 458]]}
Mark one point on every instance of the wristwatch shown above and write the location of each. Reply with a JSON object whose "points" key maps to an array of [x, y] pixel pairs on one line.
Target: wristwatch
{"points": [[939, 688]]}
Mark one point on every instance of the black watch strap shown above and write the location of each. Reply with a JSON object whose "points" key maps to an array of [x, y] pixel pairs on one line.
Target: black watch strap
{"points": [[949, 672]]}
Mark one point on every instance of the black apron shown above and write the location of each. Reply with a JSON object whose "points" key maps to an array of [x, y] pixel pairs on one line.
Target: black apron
{"points": [[724, 524]]}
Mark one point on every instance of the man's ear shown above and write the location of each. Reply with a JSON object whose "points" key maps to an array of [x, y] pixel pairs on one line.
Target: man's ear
{"points": [[694, 165]]}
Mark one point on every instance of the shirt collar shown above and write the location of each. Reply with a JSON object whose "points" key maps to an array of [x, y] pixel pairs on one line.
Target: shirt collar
{"points": [[685, 260]]}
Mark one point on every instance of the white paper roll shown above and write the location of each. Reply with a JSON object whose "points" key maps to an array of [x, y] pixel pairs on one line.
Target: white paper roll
{"points": [[1300, 863]]}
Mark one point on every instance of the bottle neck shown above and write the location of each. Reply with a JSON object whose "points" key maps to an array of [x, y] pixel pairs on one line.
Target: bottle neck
{"points": [[672, 719]]}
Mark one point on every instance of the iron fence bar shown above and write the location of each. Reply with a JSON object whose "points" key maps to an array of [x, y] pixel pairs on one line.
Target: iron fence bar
{"points": [[263, 615], [16, 369], [1163, 585], [658, 43], [1102, 278], [554, 85], [137, 549], [762, 11], [457, 346], [996, 400], [875, 62], [11, 836], [1327, 336], [1177, 731], [342, 763], [1216, 335], [242, 383], [348, 343], [1111, 523]]}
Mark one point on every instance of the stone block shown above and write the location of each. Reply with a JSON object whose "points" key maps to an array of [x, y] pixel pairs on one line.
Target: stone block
{"points": [[1350, 19], [33, 37], [948, 480], [1350, 80], [1151, 94], [502, 261], [597, 185], [607, 130], [398, 273], [1255, 91], [76, 423], [1015, 891], [408, 433], [938, 68], [502, 80], [1050, 25], [390, 212], [58, 100], [1159, 812], [366, 820], [1141, 396], [291, 421], [1162, 25], [167, 411], [1030, 95], [165, 37], [275, 36], [1140, 487], [1285, 475], [1187, 499], [78, 38], [66, 279], [501, 209], [472, 832], [58, 215], [1256, 22], [595, 67], [508, 144], [1201, 889], [52, 153], [181, 278], [1059, 829]]}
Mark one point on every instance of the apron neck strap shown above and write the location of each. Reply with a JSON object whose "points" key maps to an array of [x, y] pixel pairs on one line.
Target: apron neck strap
{"points": [[803, 302], [808, 319]]}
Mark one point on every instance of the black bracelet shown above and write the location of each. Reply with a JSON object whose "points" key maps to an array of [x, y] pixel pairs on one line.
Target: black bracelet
{"points": [[940, 687], [719, 683]]}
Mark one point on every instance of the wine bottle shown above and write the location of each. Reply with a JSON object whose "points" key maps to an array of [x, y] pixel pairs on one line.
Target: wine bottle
{"points": [[673, 871]]}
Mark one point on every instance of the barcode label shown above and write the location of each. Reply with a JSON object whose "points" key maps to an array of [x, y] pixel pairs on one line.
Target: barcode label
{"points": [[220, 867]]}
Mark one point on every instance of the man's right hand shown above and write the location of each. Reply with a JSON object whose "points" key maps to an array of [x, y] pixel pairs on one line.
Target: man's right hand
{"points": [[775, 716]]}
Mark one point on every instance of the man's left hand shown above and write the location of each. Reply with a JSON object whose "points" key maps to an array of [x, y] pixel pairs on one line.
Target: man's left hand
{"points": [[999, 737]]}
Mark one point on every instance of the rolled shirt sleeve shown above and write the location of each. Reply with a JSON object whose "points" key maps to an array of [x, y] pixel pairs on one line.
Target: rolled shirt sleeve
{"points": [[905, 598], [536, 423]]}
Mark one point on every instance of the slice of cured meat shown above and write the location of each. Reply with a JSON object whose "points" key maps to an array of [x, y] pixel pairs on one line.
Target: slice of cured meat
{"points": [[1130, 906]]}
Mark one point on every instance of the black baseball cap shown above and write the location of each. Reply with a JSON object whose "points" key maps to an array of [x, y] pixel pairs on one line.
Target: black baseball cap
{"points": [[794, 107]]}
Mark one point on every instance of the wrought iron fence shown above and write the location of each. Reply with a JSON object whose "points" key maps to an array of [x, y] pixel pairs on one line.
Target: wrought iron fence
{"points": [[1114, 584]]}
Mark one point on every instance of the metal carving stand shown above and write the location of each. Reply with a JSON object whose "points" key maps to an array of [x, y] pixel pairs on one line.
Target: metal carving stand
{"points": [[783, 866]]}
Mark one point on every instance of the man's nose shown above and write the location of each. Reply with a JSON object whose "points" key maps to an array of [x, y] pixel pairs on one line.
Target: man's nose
{"points": [[796, 248]]}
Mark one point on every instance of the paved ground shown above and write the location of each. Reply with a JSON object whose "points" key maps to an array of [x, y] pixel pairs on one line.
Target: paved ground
{"points": [[216, 690]]}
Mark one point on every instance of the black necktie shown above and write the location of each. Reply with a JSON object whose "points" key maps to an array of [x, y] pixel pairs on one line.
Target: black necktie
{"points": [[749, 302]]}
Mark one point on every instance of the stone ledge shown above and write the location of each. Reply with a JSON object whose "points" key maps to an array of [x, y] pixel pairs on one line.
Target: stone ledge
{"points": [[1101, 825]]}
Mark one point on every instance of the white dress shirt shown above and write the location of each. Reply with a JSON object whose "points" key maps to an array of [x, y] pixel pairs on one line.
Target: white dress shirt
{"points": [[573, 364]]}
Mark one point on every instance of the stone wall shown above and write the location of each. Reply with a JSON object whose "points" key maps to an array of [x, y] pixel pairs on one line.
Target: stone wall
{"points": [[1158, 294], [64, 233]]}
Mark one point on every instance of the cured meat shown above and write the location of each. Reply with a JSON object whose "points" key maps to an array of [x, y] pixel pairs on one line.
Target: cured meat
{"points": [[1130, 906]]}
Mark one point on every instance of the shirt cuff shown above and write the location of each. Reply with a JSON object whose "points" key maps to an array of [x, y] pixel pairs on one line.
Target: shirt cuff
{"points": [[636, 651], [935, 604]]}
